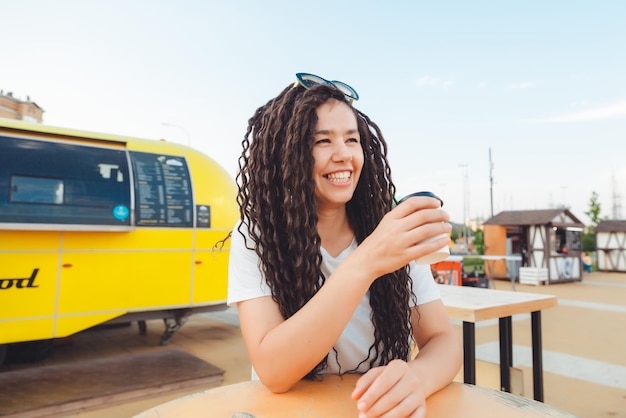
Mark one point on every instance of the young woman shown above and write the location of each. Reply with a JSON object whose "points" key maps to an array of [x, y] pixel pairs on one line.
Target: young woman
{"points": [[321, 266]]}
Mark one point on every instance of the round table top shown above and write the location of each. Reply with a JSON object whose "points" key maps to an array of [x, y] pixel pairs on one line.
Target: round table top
{"points": [[330, 397]]}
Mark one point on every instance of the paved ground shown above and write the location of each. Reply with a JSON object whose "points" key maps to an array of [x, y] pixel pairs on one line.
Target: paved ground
{"points": [[584, 341]]}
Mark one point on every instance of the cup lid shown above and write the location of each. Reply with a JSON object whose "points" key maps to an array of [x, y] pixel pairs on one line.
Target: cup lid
{"points": [[426, 194]]}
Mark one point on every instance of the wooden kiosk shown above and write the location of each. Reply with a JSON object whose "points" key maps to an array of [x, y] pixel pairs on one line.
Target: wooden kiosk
{"points": [[549, 242], [611, 245]]}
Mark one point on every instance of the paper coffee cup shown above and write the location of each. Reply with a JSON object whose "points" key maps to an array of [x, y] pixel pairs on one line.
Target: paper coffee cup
{"points": [[442, 253]]}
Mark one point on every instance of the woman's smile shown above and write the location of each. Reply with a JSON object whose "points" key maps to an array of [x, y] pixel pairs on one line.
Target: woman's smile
{"points": [[337, 153], [339, 177]]}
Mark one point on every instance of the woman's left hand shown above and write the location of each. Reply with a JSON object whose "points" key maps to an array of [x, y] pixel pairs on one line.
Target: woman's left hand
{"points": [[390, 391]]}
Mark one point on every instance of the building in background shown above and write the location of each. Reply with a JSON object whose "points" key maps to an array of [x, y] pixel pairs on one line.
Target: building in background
{"points": [[548, 240], [12, 107], [611, 245]]}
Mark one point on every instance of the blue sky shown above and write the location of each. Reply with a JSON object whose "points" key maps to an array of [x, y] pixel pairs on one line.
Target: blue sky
{"points": [[540, 83]]}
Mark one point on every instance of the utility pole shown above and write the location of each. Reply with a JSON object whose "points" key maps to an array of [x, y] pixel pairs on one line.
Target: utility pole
{"points": [[465, 204], [617, 199], [491, 181]]}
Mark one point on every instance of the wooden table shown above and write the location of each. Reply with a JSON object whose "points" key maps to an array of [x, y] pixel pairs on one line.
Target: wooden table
{"points": [[472, 304], [331, 398]]}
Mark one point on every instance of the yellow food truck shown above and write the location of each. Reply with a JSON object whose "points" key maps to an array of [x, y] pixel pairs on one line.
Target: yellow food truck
{"points": [[98, 228]]}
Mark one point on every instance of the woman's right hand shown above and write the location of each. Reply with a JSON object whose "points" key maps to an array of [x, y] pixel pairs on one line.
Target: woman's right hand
{"points": [[400, 235]]}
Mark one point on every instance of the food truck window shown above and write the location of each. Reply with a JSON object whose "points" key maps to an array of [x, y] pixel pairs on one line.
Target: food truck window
{"points": [[163, 190], [36, 190], [61, 183]]}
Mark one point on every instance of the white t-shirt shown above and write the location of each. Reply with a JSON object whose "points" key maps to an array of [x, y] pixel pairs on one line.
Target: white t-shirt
{"points": [[246, 281]]}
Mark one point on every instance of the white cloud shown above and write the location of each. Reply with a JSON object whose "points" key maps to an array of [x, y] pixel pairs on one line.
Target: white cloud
{"points": [[522, 85], [426, 81], [482, 85], [610, 111], [446, 84]]}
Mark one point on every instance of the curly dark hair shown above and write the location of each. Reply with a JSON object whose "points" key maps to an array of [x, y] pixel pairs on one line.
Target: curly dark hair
{"points": [[278, 205]]}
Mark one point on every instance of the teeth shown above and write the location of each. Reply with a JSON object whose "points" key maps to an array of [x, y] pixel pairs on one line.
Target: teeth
{"points": [[340, 176]]}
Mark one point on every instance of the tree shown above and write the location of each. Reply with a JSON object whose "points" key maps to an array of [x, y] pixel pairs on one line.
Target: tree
{"points": [[479, 242], [454, 235], [589, 235], [594, 209], [588, 242]]}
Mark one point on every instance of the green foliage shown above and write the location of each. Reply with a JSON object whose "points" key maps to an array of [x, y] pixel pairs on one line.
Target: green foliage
{"points": [[588, 242], [588, 239], [455, 234], [594, 209], [471, 264], [458, 231], [479, 242]]}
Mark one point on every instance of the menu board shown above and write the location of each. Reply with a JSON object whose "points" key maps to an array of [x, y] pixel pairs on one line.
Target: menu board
{"points": [[162, 190]]}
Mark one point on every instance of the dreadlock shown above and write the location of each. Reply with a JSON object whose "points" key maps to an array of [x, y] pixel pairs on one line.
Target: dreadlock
{"points": [[277, 203]]}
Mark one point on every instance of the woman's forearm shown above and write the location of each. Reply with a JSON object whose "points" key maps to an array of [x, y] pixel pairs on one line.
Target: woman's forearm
{"points": [[438, 362], [289, 350]]}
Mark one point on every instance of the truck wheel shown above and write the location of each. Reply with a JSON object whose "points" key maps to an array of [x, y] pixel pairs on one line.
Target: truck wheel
{"points": [[3, 353]]}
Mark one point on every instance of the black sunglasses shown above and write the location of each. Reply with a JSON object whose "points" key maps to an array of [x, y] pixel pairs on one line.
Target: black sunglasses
{"points": [[307, 81]]}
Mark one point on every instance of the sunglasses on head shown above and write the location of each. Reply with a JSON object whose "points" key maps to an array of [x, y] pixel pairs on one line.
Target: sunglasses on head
{"points": [[307, 81]]}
